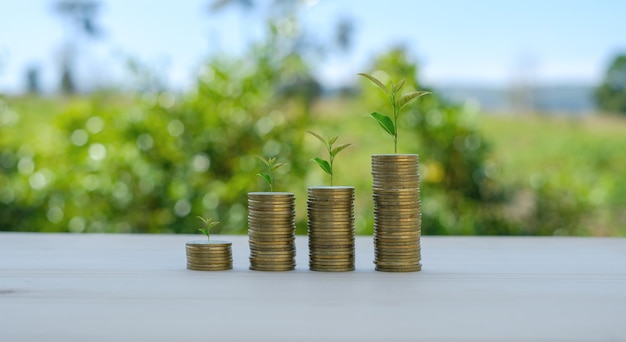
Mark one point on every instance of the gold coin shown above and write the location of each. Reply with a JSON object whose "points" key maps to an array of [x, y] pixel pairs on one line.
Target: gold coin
{"points": [[330, 234], [271, 195], [210, 252], [271, 230], [208, 266], [252, 203], [336, 268], [412, 268], [331, 269], [265, 262], [272, 268], [209, 262], [194, 268], [208, 255], [284, 249]]}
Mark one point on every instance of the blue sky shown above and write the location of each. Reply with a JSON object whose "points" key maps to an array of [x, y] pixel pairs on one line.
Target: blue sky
{"points": [[482, 42]]}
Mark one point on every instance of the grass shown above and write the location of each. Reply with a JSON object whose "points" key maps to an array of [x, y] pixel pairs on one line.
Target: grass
{"points": [[587, 154]]}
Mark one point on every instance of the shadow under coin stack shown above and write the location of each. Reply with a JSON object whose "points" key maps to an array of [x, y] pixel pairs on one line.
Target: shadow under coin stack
{"points": [[209, 255], [397, 212], [271, 231], [331, 228]]}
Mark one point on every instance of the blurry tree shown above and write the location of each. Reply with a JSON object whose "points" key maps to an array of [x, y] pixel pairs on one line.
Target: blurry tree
{"points": [[611, 94], [219, 5], [32, 80], [80, 17], [344, 34]]}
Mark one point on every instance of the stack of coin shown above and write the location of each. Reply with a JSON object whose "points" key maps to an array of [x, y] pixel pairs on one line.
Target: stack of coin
{"points": [[208, 255], [271, 231], [397, 212], [331, 228]]}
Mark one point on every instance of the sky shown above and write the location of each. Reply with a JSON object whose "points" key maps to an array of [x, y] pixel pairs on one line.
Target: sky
{"points": [[455, 42]]}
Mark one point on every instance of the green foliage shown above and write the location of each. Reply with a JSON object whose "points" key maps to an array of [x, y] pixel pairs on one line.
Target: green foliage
{"points": [[144, 162], [397, 104], [327, 165], [611, 94], [272, 166], [208, 224]]}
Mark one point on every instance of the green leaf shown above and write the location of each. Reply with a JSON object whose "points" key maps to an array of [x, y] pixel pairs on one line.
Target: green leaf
{"points": [[324, 165], [208, 222], [398, 86], [271, 161], [339, 149], [319, 137], [275, 167], [266, 177], [406, 99], [332, 141], [376, 82], [262, 160], [204, 231], [384, 122]]}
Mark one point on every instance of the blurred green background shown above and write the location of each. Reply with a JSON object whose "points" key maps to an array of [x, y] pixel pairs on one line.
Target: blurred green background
{"points": [[150, 159]]}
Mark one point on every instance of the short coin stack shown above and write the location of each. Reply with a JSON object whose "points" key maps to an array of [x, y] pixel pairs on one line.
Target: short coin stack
{"points": [[209, 255], [271, 231], [397, 212], [331, 228]]}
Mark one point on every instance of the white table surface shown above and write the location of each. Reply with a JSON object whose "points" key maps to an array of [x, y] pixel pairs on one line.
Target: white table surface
{"points": [[63, 287]]}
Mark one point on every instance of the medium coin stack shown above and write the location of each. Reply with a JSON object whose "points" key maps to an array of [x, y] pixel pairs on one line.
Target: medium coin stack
{"points": [[397, 212], [271, 231], [209, 255], [331, 228]]}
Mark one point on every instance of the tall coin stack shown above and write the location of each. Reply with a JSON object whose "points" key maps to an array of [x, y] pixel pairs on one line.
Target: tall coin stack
{"points": [[209, 255], [331, 228], [397, 212], [271, 231]]}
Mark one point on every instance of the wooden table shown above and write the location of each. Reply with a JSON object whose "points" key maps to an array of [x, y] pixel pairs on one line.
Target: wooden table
{"points": [[62, 287]]}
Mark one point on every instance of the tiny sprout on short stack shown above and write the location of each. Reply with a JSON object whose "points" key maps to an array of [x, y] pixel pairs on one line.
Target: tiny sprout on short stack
{"points": [[208, 224], [272, 166], [327, 165], [397, 103]]}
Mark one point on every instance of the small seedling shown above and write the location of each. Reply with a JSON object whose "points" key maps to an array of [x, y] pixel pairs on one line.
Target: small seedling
{"points": [[327, 165], [208, 224], [397, 103], [272, 166]]}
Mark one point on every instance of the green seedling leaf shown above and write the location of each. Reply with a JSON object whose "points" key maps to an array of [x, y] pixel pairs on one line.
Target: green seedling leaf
{"points": [[319, 137], [339, 149], [376, 82], [332, 141], [266, 177], [406, 99], [398, 86], [277, 166], [324, 165], [208, 224], [384, 122], [262, 160]]}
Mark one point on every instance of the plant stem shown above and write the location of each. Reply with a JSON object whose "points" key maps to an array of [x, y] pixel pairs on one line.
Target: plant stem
{"points": [[331, 170], [271, 180], [395, 121]]}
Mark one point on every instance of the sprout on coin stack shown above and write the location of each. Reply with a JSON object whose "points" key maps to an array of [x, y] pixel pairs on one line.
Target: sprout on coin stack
{"points": [[330, 212], [209, 255], [271, 224], [396, 192]]}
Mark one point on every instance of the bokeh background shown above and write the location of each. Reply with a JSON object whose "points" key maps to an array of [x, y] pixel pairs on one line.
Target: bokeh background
{"points": [[138, 116]]}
